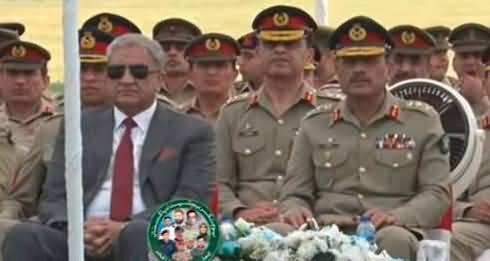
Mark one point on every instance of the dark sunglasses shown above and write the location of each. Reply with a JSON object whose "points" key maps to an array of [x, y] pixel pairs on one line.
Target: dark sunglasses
{"points": [[138, 71]]}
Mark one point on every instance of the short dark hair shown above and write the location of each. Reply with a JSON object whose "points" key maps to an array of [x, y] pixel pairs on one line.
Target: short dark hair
{"points": [[165, 231], [179, 229], [191, 211]]}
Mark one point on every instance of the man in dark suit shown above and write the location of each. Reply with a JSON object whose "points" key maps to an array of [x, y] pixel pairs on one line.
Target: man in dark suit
{"points": [[137, 155]]}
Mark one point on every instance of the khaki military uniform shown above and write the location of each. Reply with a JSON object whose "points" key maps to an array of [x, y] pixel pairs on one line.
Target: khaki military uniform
{"points": [[10, 159], [185, 95], [193, 108], [470, 237], [398, 163], [241, 87], [23, 131], [23, 189], [253, 147]]}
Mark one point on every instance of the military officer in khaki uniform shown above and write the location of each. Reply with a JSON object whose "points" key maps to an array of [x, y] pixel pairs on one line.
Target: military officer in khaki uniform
{"points": [[212, 58], [22, 191], [468, 43], [471, 226], [410, 57], [439, 59], [255, 131], [249, 64], [24, 73], [174, 34], [368, 155]]}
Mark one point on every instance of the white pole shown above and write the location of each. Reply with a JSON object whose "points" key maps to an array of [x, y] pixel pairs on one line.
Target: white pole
{"points": [[73, 137], [321, 12]]}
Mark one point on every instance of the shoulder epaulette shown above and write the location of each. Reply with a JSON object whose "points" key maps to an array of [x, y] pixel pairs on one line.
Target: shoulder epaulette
{"points": [[237, 98], [55, 115], [419, 106], [164, 99], [320, 110], [333, 95]]}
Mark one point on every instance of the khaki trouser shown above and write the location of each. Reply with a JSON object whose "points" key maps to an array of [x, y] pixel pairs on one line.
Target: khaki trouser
{"points": [[397, 241], [5, 226], [469, 240]]}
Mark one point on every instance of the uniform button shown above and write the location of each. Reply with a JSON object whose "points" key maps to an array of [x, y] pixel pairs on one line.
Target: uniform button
{"points": [[280, 121], [363, 135], [328, 165], [395, 165], [362, 169], [247, 151], [275, 201], [278, 153], [360, 196], [280, 177]]}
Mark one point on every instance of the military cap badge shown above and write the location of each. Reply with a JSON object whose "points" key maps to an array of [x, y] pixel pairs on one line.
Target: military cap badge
{"points": [[408, 37], [280, 19], [87, 41], [18, 51], [213, 44], [105, 25], [357, 33]]}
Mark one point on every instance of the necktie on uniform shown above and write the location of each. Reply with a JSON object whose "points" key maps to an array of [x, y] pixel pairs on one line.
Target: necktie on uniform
{"points": [[122, 178]]}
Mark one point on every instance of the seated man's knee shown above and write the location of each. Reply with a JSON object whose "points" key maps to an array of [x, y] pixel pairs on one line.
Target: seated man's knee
{"points": [[133, 230], [398, 242]]}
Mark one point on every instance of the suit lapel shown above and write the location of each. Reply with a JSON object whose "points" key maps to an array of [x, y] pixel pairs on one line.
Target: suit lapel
{"points": [[158, 134], [101, 138]]}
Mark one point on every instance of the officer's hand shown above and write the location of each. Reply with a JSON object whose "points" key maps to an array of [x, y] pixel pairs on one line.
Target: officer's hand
{"points": [[380, 218], [480, 211], [259, 215], [297, 216], [472, 88]]}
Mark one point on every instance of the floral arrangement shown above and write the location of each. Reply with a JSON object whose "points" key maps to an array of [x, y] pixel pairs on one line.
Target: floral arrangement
{"points": [[244, 241]]}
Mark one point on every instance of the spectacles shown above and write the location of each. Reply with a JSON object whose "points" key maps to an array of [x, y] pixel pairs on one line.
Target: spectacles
{"points": [[138, 71]]}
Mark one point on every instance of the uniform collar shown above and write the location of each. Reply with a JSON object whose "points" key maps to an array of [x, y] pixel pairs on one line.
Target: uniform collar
{"points": [[259, 98], [45, 109], [389, 110]]}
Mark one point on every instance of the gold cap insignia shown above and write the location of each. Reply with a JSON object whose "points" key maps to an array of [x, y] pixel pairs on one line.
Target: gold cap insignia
{"points": [[105, 25], [280, 19], [408, 37], [357, 33], [87, 41], [19, 51], [213, 44]]}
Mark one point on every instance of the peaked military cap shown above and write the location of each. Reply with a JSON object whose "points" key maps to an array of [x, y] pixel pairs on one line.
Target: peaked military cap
{"points": [[23, 55], [112, 24], [248, 41], [212, 47], [409, 39], [93, 45], [175, 30], [283, 23], [441, 34], [360, 36], [470, 37]]}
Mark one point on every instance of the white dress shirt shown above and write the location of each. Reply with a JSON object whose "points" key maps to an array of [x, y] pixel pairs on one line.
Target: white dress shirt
{"points": [[100, 207]]}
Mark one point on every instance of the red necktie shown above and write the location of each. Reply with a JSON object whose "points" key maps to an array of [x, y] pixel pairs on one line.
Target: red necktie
{"points": [[122, 178]]}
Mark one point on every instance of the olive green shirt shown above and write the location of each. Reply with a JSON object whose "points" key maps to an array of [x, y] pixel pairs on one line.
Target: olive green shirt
{"points": [[398, 163], [253, 147]]}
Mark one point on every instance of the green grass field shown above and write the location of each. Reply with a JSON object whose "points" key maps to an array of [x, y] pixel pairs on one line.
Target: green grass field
{"points": [[43, 17]]}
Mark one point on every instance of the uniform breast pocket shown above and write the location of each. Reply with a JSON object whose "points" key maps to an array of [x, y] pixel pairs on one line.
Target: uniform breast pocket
{"points": [[328, 165], [250, 153], [398, 168]]}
